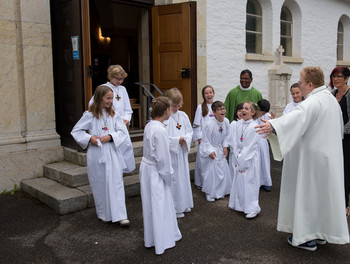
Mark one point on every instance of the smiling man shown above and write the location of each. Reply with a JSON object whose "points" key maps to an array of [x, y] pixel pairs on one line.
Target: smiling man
{"points": [[240, 94], [312, 205]]}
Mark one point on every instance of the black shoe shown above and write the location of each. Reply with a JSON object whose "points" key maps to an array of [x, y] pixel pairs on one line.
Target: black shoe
{"points": [[310, 245]]}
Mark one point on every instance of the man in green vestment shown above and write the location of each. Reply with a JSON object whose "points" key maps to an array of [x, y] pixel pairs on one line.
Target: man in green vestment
{"points": [[241, 93]]}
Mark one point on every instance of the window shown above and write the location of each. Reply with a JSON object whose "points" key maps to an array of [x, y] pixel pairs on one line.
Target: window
{"points": [[286, 31], [340, 42], [254, 27]]}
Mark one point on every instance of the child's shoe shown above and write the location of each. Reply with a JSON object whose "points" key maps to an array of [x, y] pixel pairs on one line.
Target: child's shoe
{"points": [[209, 199], [311, 245], [187, 210], [124, 222], [180, 215]]}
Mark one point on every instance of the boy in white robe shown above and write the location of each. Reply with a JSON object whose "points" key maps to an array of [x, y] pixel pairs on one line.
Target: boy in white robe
{"points": [[121, 101], [159, 217], [203, 114], [312, 205], [245, 162], [265, 172], [180, 137], [216, 173], [103, 132]]}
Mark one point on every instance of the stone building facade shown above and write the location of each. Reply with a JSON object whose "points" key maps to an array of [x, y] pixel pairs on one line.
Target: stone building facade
{"points": [[28, 137]]}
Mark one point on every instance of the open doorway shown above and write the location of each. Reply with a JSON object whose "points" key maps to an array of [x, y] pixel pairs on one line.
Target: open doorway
{"points": [[116, 31]]}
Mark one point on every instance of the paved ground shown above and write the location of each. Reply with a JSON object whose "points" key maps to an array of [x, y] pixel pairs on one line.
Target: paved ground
{"points": [[212, 233]]}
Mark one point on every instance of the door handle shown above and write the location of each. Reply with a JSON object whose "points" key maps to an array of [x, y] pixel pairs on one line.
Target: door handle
{"points": [[185, 72]]}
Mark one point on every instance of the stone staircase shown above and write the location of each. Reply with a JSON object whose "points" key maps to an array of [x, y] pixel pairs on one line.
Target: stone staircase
{"points": [[65, 185]]}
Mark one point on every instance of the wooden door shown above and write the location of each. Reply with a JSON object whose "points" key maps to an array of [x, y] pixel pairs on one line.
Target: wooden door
{"points": [[174, 51], [70, 18]]}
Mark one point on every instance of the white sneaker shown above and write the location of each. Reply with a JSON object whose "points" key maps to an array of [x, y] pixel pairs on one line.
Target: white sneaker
{"points": [[209, 199], [180, 215], [124, 222], [251, 215], [187, 210]]}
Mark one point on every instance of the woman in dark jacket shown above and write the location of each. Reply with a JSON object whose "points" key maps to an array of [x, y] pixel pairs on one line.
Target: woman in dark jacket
{"points": [[339, 83]]}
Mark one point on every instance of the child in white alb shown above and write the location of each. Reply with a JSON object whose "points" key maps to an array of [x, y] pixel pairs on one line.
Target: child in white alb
{"points": [[216, 173], [109, 154], [265, 172], [245, 162], [203, 114], [180, 133], [297, 98], [121, 101], [159, 218]]}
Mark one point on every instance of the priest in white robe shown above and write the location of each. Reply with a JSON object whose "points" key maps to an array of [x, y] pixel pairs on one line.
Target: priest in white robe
{"points": [[312, 205]]}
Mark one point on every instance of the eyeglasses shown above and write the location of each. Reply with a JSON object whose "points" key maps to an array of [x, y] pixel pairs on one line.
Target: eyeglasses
{"points": [[337, 76]]}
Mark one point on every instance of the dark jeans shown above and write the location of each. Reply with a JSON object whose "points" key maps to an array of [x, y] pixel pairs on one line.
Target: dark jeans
{"points": [[346, 153]]}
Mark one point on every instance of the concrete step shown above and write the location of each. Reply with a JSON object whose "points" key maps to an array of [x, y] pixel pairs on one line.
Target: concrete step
{"points": [[62, 199], [65, 200], [79, 157]]}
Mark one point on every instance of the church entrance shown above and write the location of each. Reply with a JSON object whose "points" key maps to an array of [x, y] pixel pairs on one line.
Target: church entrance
{"points": [[90, 35]]}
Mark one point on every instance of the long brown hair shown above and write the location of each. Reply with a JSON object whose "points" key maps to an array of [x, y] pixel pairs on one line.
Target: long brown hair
{"points": [[97, 106], [205, 109], [158, 106]]}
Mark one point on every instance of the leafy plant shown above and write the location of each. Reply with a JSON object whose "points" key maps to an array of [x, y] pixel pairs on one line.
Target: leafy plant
{"points": [[15, 188]]}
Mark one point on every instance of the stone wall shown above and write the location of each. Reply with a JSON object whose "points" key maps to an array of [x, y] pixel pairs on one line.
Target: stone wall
{"points": [[28, 138]]}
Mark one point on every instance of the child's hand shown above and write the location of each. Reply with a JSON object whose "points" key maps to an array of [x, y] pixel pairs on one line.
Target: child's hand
{"points": [[93, 140], [199, 141], [272, 115], [126, 122], [212, 155], [225, 152], [182, 141], [105, 139]]}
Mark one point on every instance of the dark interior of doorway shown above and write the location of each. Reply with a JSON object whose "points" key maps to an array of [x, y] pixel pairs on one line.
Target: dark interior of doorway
{"points": [[114, 40]]}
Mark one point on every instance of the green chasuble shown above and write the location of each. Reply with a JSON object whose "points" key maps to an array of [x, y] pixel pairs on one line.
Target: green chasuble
{"points": [[237, 96]]}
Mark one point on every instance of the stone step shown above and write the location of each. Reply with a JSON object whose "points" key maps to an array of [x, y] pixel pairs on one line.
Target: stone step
{"points": [[79, 157], [62, 199], [70, 174], [66, 200]]}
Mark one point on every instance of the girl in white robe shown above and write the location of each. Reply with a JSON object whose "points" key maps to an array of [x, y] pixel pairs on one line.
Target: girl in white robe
{"points": [[245, 162], [216, 173], [109, 154], [297, 98], [180, 137], [121, 101], [203, 114], [159, 217]]}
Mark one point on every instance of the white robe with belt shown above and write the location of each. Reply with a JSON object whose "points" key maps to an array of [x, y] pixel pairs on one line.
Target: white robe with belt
{"points": [[181, 187], [106, 162], [159, 217], [245, 164], [199, 122], [312, 202], [217, 179]]}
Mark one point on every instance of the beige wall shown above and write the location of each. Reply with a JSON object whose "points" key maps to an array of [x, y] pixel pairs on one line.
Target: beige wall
{"points": [[28, 138]]}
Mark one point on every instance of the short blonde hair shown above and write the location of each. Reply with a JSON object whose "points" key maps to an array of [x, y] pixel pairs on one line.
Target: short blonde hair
{"points": [[116, 70], [174, 95], [313, 75]]}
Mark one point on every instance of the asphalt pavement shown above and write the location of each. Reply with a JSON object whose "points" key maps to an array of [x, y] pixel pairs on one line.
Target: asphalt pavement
{"points": [[30, 232]]}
